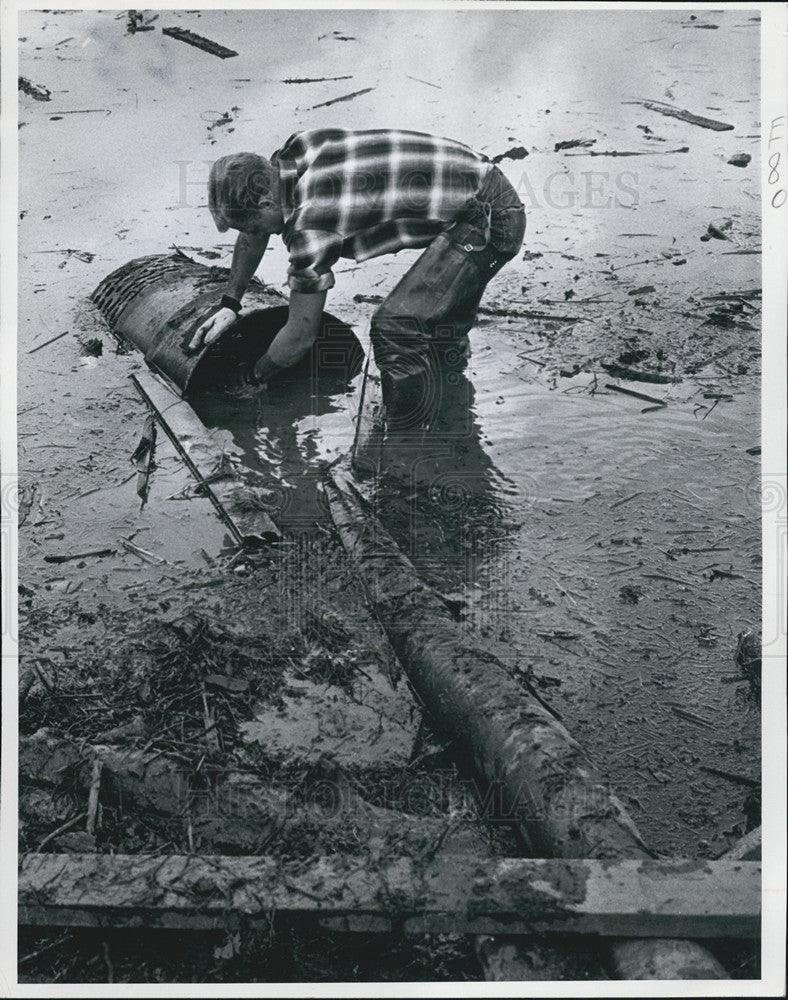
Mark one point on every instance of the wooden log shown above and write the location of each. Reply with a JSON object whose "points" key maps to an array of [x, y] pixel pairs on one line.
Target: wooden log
{"points": [[203, 450], [452, 895], [524, 959], [686, 116], [559, 800], [746, 849], [238, 811]]}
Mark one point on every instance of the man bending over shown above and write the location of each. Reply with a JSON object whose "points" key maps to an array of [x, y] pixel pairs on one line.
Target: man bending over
{"points": [[335, 193]]}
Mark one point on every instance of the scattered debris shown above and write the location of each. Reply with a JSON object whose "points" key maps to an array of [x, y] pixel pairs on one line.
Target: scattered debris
{"points": [[636, 395], [739, 779], [227, 683], [136, 21], [337, 36], [748, 658], [643, 290], [632, 152], [740, 160], [199, 42], [649, 134], [28, 496], [515, 153], [216, 120], [630, 594], [634, 375], [35, 91], [572, 144], [51, 340], [91, 347], [692, 717], [686, 116], [315, 79], [95, 553], [717, 232], [345, 97], [425, 82], [86, 111]]}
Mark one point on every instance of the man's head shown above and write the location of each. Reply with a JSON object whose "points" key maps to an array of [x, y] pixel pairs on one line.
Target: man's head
{"points": [[242, 194]]}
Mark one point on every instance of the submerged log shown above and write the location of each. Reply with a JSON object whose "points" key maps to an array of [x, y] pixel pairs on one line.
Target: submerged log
{"points": [[560, 802], [451, 895]]}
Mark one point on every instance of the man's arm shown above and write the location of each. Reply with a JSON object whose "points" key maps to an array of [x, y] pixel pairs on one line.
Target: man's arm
{"points": [[248, 253], [298, 334]]}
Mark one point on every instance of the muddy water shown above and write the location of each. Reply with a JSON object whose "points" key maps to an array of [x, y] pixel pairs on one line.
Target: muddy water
{"points": [[614, 552]]}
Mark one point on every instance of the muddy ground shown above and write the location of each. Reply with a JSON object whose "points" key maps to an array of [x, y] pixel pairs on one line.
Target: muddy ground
{"points": [[609, 546]]}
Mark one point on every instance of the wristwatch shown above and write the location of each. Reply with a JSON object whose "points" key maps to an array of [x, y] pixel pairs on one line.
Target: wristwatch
{"points": [[228, 302]]}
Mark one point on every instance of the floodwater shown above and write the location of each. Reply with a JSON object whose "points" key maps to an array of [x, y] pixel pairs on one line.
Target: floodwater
{"points": [[609, 548]]}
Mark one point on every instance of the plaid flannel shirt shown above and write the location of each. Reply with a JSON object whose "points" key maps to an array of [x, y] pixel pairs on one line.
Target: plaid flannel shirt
{"points": [[361, 194]]}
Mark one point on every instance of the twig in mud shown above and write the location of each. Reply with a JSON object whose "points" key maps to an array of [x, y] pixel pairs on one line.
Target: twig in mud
{"points": [[85, 111], [670, 579], [93, 797], [631, 152], [716, 401], [97, 553], [46, 343], [535, 361], [425, 82], [618, 503], [59, 940], [633, 374], [345, 97], [211, 734], [68, 825], [739, 779], [636, 395], [692, 717], [315, 79], [142, 553], [635, 263]]}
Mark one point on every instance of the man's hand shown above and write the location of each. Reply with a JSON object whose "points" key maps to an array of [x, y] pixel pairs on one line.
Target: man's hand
{"points": [[211, 330]]}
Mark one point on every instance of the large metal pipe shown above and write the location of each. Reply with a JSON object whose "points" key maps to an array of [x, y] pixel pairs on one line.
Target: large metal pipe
{"points": [[156, 303]]}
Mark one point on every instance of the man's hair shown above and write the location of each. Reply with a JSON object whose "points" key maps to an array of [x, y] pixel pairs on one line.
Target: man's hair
{"points": [[238, 184]]}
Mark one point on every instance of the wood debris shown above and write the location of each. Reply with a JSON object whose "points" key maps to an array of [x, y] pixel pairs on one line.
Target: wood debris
{"points": [[183, 35]]}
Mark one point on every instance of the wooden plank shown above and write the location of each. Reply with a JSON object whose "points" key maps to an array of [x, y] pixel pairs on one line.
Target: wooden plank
{"points": [[451, 895], [686, 116], [203, 449], [199, 42]]}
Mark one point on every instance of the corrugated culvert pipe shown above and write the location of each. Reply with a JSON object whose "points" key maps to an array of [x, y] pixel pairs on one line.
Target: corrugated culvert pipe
{"points": [[157, 302]]}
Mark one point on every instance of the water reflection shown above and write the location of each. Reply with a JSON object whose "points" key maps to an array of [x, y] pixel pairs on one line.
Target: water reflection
{"points": [[434, 487], [437, 490]]}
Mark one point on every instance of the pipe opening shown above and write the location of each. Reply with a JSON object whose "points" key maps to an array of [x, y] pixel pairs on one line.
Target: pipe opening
{"points": [[335, 358]]}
